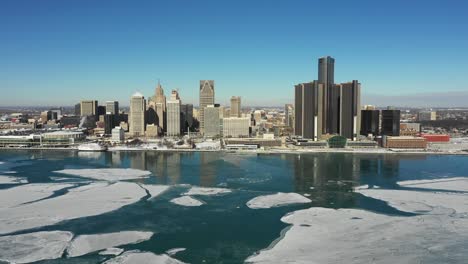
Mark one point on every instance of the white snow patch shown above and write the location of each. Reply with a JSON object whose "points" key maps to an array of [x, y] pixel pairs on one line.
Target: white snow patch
{"points": [[449, 184], [111, 251], [321, 235], [275, 200], [33, 247], [85, 244], [12, 180], [155, 190], [206, 191], [89, 200], [173, 251], [112, 174], [137, 257], [186, 201], [27, 193]]}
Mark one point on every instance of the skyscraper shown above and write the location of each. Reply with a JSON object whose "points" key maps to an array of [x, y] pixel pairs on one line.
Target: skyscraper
{"points": [[89, 107], [370, 120], [288, 115], [137, 115], [207, 94], [235, 106], [326, 70], [213, 122], [173, 114], [391, 122], [112, 107], [308, 110], [350, 109], [160, 106]]}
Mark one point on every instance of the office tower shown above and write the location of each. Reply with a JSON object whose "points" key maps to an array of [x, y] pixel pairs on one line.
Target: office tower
{"points": [[308, 110], [370, 120], [350, 109], [137, 115], [57, 113], [326, 70], [160, 107], [173, 114], [288, 115], [235, 106], [212, 121], [89, 107], [427, 116], [207, 95], [391, 122], [186, 116], [78, 109], [112, 107], [101, 110], [118, 135], [236, 127], [258, 116], [109, 123]]}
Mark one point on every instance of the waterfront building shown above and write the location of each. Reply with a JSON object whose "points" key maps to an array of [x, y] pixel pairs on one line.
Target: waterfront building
{"points": [[235, 106], [350, 109], [212, 121], [308, 110], [173, 114], [207, 95], [137, 115], [370, 120], [390, 122], [89, 107], [118, 134], [236, 127], [112, 107]]}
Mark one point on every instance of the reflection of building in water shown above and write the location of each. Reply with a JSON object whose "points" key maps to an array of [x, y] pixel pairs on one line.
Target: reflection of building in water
{"points": [[137, 160], [208, 168], [173, 165], [116, 158]]}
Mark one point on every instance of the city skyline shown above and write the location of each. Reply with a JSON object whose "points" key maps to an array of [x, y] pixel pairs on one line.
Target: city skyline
{"points": [[125, 48]]}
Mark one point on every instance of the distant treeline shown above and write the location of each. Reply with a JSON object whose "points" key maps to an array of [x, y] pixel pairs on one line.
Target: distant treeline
{"points": [[447, 124]]}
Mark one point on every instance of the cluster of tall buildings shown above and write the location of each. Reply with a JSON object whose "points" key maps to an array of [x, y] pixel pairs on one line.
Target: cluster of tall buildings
{"points": [[322, 107]]}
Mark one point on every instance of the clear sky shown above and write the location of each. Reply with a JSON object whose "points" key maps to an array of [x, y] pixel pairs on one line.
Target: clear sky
{"points": [[59, 52]]}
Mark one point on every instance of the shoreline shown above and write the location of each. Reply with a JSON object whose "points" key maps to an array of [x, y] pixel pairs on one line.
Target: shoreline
{"points": [[260, 151]]}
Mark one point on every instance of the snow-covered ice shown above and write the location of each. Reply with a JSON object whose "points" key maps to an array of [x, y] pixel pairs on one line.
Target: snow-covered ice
{"points": [[111, 251], [137, 257], [173, 251], [85, 244], [322, 235], [28, 193], [89, 200], [155, 190], [33, 247], [112, 174], [206, 191], [275, 200], [450, 184], [12, 180], [186, 201]]}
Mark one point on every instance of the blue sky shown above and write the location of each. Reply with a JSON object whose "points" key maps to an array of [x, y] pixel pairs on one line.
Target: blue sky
{"points": [[59, 52]]}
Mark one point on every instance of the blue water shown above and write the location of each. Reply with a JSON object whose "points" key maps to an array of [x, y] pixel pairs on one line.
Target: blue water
{"points": [[224, 230]]}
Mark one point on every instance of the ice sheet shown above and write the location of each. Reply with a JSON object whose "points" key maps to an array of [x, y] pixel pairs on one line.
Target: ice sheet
{"points": [[12, 180], [33, 247], [450, 184], [186, 201], [27, 193], [173, 251], [111, 251], [275, 200], [155, 190], [85, 244], [93, 199], [206, 191], [136, 257], [112, 174]]}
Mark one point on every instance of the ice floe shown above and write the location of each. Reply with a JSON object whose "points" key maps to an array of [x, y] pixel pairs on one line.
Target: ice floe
{"points": [[186, 201], [450, 184], [206, 191], [85, 244], [112, 174], [33, 247], [321, 235], [155, 190], [27, 193], [111, 251], [275, 200], [137, 257], [89, 200], [12, 180], [173, 251]]}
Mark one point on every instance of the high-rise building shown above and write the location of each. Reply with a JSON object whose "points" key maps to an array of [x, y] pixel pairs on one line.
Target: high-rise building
{"points": [[109, 123], [137, 115], [160, 107], [427, 116], [308, 110], [212, 121], [187, 116], [112, 107], [370, 120], [236, 127], [235, 106], [326, 70], [78, 109], [390, 122], [288, 115], [89, 107], [350, 109], [207, 95], [173, 114], [101, 110]]}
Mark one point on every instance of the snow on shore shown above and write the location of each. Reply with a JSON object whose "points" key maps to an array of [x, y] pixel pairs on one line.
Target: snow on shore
{"points": [[186, 201], [89, 200], [137, 257], [85, 244], [34, 247], [112, 174], [206, 191], [276, 200], [28, 193]]}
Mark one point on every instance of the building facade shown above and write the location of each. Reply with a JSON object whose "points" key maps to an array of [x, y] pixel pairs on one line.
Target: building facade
{"points": [[89, 107], [370, 120], [236, 127], [212, 121], [160, 107], [235, 106], [112, 107], [173, 115], [136, 117], [308, 110], [207, 95], [390, 122]]}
